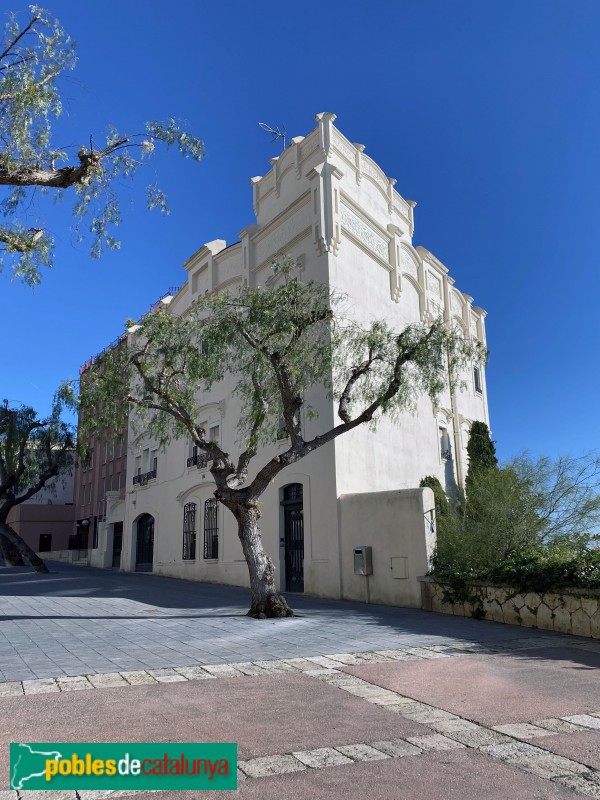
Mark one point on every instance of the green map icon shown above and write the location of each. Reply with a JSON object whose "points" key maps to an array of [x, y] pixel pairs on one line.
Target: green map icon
{"points": [[28, 763]]}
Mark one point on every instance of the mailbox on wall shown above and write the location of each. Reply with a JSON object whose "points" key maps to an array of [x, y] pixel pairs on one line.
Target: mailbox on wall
{"points": [[363, 560]]}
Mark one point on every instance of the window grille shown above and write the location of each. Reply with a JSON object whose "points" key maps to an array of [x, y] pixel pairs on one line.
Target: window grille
{"points": [[189, 532], [211, 529]]}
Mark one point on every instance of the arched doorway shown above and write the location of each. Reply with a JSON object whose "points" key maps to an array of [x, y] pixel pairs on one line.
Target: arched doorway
{"points": [[293, 536], [144, 548]]}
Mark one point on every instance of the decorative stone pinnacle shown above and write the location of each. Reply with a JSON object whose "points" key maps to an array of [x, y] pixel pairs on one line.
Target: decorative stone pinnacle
{"points": [[325, 116]]}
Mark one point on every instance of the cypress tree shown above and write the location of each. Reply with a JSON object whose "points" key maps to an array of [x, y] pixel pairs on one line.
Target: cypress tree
{"points": [[481, 450]]}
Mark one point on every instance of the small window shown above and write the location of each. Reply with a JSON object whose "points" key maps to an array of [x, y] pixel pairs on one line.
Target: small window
{"points": [[477, 380], [211, 529], [214, 434], [189, 532], [445, 450]]}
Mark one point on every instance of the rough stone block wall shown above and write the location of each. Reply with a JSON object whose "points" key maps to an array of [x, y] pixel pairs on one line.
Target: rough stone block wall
{"points": [[575, 611]]}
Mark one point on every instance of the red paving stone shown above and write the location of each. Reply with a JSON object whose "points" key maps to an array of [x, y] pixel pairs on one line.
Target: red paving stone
{"points": [[498, 689], [581, 747], [265, 716]]}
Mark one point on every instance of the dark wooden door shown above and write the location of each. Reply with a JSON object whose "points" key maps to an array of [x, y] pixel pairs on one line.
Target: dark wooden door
{"points": [[293, 515], [145, 544], [117, 544]]}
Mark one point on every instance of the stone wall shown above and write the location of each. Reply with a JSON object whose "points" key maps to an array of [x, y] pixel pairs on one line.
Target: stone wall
{"points": [[575, 611]]}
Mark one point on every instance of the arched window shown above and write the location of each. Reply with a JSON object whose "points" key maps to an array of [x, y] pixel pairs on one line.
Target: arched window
{"points": [[211, 529], [189, 531]]}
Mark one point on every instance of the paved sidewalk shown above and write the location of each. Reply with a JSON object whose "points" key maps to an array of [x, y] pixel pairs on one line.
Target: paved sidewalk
{"points": [[379, 725], [78, 621], [343, 701]]}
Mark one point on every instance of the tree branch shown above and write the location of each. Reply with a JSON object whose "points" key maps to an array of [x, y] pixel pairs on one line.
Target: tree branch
{"points": [[19, 36]]}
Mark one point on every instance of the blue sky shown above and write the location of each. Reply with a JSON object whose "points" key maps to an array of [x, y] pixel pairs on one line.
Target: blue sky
{"points": [[486, 113]]}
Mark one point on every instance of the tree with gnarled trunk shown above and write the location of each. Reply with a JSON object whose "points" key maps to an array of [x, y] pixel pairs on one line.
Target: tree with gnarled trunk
{"points": [[32, 452], [279, 342], [34, 55]]}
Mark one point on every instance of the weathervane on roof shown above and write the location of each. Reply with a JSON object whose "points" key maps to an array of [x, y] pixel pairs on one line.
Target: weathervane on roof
{"points": [[276, 133]]}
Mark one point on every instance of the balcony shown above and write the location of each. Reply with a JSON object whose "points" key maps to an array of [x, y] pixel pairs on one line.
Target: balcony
{"points": [[200, 460], [143, 478]]}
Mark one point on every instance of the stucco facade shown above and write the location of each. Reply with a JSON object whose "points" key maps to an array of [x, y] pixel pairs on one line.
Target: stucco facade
{"points": [[329, 206]]}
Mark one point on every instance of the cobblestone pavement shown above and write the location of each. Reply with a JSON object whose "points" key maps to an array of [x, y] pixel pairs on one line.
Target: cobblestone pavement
{"points": [[78, 621]]}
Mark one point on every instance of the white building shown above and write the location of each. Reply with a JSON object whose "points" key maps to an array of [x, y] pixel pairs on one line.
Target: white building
{"points": [[333, 209]]}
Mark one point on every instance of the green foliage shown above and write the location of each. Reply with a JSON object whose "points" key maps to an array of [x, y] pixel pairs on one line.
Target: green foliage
{"points": [[531, 524], [442, 508], [534, 572], [32, 451], [566, 497], [481, 451], [35, 54]]}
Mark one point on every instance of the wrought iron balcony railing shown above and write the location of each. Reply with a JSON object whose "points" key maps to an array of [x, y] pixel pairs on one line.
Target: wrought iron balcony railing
{"points": [[200, 460], [143, 478]]}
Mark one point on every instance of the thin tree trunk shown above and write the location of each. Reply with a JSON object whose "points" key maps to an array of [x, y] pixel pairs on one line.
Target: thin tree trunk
{"points": [[266, 601], [8, 534]]}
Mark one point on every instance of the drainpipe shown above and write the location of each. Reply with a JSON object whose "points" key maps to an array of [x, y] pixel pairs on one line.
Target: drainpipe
{"points": [[457, 442]]}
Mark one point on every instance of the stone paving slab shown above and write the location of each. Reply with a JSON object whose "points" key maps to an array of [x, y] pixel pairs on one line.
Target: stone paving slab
{"points": [[322, 757], [271, 765], [138, 678], [107, 680], [397, 748], [361, 752], [533, 759], [74, 684], [40, 686], [584, 720], [11, 689], [435, 741], [166, 675], [557, 725], [523, 730]]}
